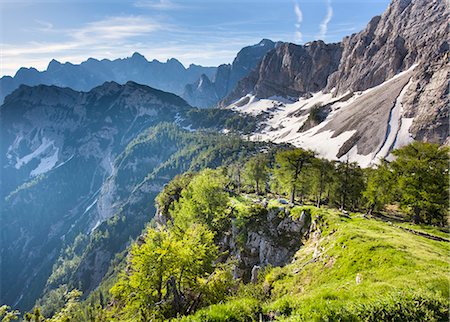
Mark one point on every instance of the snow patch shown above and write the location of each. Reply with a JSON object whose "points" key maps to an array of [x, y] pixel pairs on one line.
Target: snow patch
{"points": [[46, 143], [90, 206], [46, 164], [395, 122], [285, 117], [403, 136]]}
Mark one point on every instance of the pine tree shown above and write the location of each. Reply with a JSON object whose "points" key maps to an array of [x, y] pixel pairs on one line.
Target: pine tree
{"points": [[290, 164]]}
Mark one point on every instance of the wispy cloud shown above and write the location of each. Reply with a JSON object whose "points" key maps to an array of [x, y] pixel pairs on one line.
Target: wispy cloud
{"points": [[116, 28], [101, 38], [299, 19], [160, 5], [324, 24], [44, 25]]}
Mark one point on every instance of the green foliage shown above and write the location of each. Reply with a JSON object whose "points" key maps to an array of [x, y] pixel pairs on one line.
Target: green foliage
{"points": [[172, 192], [395, 306], [203, 201], [353, 269], [6, 314], [317, 114], [290, 164], [217, 118], [186, 256], [71, 310], [401, 276], [322, 177], [256, 172], [348, 185], [380, 187], [421, 171]]}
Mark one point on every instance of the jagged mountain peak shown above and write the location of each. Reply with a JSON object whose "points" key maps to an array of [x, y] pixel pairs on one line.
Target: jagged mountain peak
{"points": [[377, 90], [289, 70], [227, 75], [265, 42], [53, 65], [138, 57], [170, 76]]}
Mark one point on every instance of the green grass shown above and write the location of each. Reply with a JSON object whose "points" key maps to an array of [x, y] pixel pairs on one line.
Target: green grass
{"points": [[243, 309], [432, 230], [402, 276]]}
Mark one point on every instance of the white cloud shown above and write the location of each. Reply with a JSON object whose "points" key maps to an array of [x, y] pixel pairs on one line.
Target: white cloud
{"points": [[324, 24], [116, 28], [161, 4], [96, 39], [298, 13], [299, 19], [44, 25]]}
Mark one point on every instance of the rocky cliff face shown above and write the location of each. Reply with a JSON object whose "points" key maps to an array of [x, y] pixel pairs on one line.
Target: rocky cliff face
{"points": [[410, 32], [169, 76], [272, 239], [387, 86], [290, 71], [206, 93]]}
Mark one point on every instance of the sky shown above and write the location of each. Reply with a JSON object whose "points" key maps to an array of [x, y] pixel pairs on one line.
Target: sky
{"points": [[208, 33]]}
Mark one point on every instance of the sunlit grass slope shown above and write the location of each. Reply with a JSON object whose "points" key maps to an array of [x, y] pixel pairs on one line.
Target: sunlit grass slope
{"points": [[350, 269]]}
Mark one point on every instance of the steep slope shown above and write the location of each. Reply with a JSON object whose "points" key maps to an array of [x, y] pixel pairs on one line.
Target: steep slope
{"points": [[169, 76], [58, 147], [72, 160], [350, 269], [141, 172], [410, 32], [290, 71], [390, 86], [206, 93]]}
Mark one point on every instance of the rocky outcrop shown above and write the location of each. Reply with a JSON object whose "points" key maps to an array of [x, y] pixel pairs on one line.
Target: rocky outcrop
{"points": [[410, 32], [290, 71], [271, 239], [206, 93]]}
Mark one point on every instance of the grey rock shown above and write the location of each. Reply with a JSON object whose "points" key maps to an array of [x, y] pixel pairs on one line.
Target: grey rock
{"points": [[409, 32], [290, 71], [205, 93]]}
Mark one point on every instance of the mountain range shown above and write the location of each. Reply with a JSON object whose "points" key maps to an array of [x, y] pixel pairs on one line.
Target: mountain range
{"points": [[169, 76], [85, 152]]}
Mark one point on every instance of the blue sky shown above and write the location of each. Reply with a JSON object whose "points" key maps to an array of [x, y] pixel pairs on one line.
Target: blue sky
{"points": [[198, 31]]}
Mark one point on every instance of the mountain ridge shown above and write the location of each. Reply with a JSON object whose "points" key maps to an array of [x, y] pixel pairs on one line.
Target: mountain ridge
{"points": [[169, 76]]}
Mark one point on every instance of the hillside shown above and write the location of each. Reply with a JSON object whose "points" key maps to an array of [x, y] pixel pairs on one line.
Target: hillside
{"points": [[72, 160], [226, 244], [350, 269]]}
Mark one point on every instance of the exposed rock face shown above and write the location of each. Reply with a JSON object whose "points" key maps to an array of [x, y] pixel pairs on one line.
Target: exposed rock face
{"points": [[169, 76], [428, 101], [393, 75], [290, 71], [202, 93], [368, 116], [272, 239], [409, 32], [206, 93]]}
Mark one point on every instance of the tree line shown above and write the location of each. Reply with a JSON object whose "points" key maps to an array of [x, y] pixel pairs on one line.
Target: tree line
{"points": [[417, 180]]}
